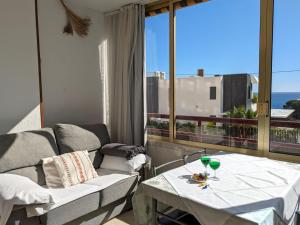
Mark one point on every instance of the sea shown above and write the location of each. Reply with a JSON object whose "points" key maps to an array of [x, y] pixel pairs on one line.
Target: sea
{"points": [[280, 98]]}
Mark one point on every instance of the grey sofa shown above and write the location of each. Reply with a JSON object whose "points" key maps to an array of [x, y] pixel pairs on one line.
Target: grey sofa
{"points": [[21, 154]]}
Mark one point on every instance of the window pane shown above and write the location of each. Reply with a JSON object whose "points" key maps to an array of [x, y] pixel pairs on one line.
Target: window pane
{"points": [[157, 70], [217, 57], [213, 93], [285, 96]]}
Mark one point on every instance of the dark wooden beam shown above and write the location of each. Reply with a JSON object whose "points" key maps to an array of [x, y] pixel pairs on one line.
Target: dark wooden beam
{"points": [[159, 7], [39, 64]]}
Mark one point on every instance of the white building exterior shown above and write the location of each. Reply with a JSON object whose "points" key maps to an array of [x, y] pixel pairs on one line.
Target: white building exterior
{"points": [[200, 95], [192, 96]]}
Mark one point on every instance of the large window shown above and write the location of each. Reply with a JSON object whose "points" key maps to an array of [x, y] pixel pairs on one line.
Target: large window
{"points": [[285, 95], [224, 80], [217, 58], [157, 74]]}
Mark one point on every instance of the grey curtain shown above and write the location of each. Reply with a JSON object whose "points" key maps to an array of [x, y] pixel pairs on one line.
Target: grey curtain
{"points": [[126, 74]]}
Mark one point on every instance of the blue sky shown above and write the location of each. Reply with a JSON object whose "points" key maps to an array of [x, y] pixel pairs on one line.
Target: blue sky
{"points": [[222, 37]]}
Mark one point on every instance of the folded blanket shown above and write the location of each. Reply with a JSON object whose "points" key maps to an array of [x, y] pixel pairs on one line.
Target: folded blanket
{"points": [[122, 150]]}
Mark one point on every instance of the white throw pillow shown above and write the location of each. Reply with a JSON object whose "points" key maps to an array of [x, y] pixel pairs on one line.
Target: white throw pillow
{"points": [[22, 191], [51, 174], [122, 164], [74, 168], [19, 190], [138, 161]]}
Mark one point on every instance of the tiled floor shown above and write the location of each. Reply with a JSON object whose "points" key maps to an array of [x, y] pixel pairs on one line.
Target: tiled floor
{"points": [[124, 219]]}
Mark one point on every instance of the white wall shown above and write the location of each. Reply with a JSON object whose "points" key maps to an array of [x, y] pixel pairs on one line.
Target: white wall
{"points": [[163, 96], [70, 66], [19, 90], [192, 96]]}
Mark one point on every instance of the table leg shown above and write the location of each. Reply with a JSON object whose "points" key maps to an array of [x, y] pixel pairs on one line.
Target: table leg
{"points": [[154, 208]]}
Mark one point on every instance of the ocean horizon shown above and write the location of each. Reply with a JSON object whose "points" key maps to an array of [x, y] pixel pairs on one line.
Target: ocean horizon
{"points": [[279, 99]]}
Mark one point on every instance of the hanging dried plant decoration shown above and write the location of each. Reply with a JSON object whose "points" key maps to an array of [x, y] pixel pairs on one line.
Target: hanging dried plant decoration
{"points": [[75, 23]]}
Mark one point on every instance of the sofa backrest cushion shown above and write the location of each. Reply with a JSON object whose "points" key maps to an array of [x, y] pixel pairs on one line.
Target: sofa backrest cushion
{"points": [[91, 137], [21, 153], [35, 173]]}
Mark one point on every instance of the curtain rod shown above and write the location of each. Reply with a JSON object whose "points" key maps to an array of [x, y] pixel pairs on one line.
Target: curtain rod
{"points": [[142, 2]]}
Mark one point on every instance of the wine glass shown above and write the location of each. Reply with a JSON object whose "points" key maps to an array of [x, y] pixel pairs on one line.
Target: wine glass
{"points": [[205, 159], [214, 164]]}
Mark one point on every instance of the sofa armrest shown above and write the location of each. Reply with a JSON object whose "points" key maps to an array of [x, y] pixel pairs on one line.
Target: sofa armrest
{"points": [[122, 150]]}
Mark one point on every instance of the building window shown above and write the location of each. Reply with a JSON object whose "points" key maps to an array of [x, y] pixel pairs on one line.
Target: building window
{"points": [[249, 92], [212, 93]]}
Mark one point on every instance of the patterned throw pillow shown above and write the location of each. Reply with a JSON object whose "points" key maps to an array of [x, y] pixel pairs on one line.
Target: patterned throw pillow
{"points": [[74, 168], [51, 174]]}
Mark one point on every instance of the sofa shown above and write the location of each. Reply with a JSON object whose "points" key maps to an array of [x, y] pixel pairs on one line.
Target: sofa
{"points": [[21, 154]]}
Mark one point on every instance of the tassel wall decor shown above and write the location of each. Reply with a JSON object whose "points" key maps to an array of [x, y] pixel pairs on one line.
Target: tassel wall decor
{"points": [[75, 23]]}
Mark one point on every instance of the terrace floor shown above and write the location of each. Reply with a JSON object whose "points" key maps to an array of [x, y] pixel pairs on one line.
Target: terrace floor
{"points": [[124, 219]]}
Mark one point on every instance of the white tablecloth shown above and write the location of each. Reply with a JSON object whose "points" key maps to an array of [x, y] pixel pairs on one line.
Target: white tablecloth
{"points": [[251, 190], [246, 184]]}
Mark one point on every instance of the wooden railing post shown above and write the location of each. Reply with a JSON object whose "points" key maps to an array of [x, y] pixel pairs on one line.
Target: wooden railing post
{"points": [[199, 123]]}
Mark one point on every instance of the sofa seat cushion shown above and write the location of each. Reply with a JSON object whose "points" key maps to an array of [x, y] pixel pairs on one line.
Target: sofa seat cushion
{"points": [[79, 200], [72, 210], [120, 189]]}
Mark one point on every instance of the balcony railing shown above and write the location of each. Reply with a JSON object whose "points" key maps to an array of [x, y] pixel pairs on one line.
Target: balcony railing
{"points": [[235, 132]]}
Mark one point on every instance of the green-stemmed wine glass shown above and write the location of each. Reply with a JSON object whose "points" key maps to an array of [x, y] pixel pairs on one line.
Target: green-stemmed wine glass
{"points": [[214, 164], [205, 159]]}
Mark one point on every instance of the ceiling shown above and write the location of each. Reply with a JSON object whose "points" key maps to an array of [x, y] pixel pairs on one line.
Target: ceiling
{"points": [[106, 5]]}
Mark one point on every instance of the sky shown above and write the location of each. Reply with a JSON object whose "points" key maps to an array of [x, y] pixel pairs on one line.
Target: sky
{"points": [[222, 37]]}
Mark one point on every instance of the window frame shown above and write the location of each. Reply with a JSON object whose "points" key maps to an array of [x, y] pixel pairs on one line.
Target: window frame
{"points": [[249, 92], [264, 89], [213, 95]]}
